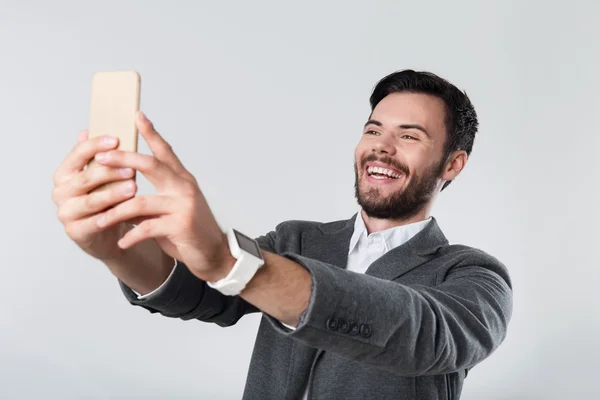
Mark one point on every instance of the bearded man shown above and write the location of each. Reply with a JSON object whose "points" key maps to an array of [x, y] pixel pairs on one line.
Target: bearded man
{"points": [[378, 306]]}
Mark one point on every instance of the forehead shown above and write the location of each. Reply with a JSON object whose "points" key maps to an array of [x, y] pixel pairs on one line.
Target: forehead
{"points": [[412, 108]]}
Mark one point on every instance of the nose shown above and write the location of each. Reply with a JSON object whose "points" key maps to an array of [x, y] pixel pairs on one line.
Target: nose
{"points": [[383, 146]]}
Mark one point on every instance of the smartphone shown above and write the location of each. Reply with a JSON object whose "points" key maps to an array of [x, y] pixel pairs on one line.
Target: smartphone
{"points": [[115, 101]]}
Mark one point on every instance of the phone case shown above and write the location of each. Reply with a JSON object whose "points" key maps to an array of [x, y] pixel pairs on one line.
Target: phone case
{"points": [[115, 101]]}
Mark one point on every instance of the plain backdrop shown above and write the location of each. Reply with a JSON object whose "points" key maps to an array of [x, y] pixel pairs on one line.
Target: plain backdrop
{"points": [[264, 102]]}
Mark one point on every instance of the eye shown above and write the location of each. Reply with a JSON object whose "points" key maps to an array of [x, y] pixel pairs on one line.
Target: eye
{"points": [[371, 132], [409, 137]]}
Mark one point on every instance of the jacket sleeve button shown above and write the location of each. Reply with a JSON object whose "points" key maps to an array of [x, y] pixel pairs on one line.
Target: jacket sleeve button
{"points": [[344, 326], [365, 330], [332, 324]]}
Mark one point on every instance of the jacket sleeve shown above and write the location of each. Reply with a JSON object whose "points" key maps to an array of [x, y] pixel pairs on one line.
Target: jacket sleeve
{"points": [[408, 329], [187, 297]]}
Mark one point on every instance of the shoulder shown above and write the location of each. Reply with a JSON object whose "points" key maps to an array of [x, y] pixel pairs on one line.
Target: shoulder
{"points": [[287, 235], [461, 256], [298, 226], [468, 253]]}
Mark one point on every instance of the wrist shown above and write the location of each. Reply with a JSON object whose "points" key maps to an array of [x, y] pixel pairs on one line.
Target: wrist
{"points": [[223, 263], [238, 265], [143, 267]]}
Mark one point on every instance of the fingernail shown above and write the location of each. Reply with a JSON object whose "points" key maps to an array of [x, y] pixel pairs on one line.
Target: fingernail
{"points": [[82, 136], [125, 172], [100, 221], [101, 156], [110, 140], [143, 117], [127, 188]]}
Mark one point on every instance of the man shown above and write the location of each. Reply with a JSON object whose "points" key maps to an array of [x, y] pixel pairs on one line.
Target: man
{"points": [[379, 306]]}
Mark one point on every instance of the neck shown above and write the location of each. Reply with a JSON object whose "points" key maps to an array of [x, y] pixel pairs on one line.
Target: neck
{"points": [[377, 225]]}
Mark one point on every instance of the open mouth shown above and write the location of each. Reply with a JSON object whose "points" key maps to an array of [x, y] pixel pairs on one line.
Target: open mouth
{"points": [[381, 174]]}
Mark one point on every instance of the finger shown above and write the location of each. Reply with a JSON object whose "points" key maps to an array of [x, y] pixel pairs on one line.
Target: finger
{"points": [[75, 208], [157, 144], [81, 154], [138, 220], [148, 229], [80, 230], [83, 135], [142, 206], [85, 181], [156, 171]]}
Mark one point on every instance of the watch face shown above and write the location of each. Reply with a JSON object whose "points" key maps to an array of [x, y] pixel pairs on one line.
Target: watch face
{"points": [[247, 244]]}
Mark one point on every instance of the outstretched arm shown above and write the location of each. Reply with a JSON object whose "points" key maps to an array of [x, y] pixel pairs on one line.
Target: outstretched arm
{"points": [[412, 330]]}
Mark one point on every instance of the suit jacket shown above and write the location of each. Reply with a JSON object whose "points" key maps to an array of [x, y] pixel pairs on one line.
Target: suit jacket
{"points": [[409, 328]]}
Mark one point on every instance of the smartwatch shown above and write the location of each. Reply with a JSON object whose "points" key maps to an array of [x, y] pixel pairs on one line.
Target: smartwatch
{"points": [[249, 259]]}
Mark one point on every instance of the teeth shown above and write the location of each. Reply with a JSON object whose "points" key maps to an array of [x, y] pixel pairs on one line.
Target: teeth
{"points": [[382, 171]]}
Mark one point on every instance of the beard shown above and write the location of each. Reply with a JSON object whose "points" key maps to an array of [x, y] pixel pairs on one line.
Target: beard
{"points": [[404, 203]]}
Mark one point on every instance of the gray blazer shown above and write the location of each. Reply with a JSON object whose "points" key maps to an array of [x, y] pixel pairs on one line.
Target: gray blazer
{"points": [[409, 328]]}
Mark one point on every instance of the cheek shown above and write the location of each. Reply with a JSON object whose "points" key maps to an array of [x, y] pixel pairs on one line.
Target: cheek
{"points": [[358, 155], [416, 159]]}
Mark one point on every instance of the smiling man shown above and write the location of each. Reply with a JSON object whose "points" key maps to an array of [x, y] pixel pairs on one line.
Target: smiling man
{"points": [[379, 306]]}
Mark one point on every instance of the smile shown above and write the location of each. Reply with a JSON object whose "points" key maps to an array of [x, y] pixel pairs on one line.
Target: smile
{"points": [[382, 176], [381, 173]]}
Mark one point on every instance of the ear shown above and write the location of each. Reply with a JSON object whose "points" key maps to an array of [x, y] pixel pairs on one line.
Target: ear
{"points": [[454, 165]]}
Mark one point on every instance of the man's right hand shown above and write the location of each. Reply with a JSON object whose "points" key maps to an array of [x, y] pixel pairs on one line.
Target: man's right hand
{"points": [[78, 208]]}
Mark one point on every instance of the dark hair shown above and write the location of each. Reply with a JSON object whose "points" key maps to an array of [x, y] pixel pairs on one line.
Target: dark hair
{"points": [[461, 119]]}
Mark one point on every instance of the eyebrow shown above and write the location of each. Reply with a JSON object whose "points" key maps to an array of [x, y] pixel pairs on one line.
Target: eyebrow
{"points": [[402, 126]]}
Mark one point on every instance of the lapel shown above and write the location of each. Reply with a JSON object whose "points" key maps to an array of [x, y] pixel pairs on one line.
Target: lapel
{"points": [[330, 242], [408, 256]]}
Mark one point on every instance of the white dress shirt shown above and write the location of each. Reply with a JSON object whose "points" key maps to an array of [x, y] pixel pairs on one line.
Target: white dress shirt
{"points": [[364, 249]]}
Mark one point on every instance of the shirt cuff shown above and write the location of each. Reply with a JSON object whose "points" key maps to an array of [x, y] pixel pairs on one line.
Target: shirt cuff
{"points": [[148, 295], [292, 328]]}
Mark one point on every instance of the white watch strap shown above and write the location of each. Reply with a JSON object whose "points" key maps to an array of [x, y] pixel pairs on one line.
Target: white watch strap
{"points": [[242, 272]]}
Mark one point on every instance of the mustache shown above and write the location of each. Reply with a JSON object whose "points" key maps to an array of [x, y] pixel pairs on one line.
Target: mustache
{"points": [[386, 160]]}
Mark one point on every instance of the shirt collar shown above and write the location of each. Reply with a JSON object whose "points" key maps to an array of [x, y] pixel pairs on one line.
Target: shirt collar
{"points": [[392, 237], [359, 230]]}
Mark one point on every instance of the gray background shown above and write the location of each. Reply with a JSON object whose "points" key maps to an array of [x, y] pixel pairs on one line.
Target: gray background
{"points": [[264, 103]]}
